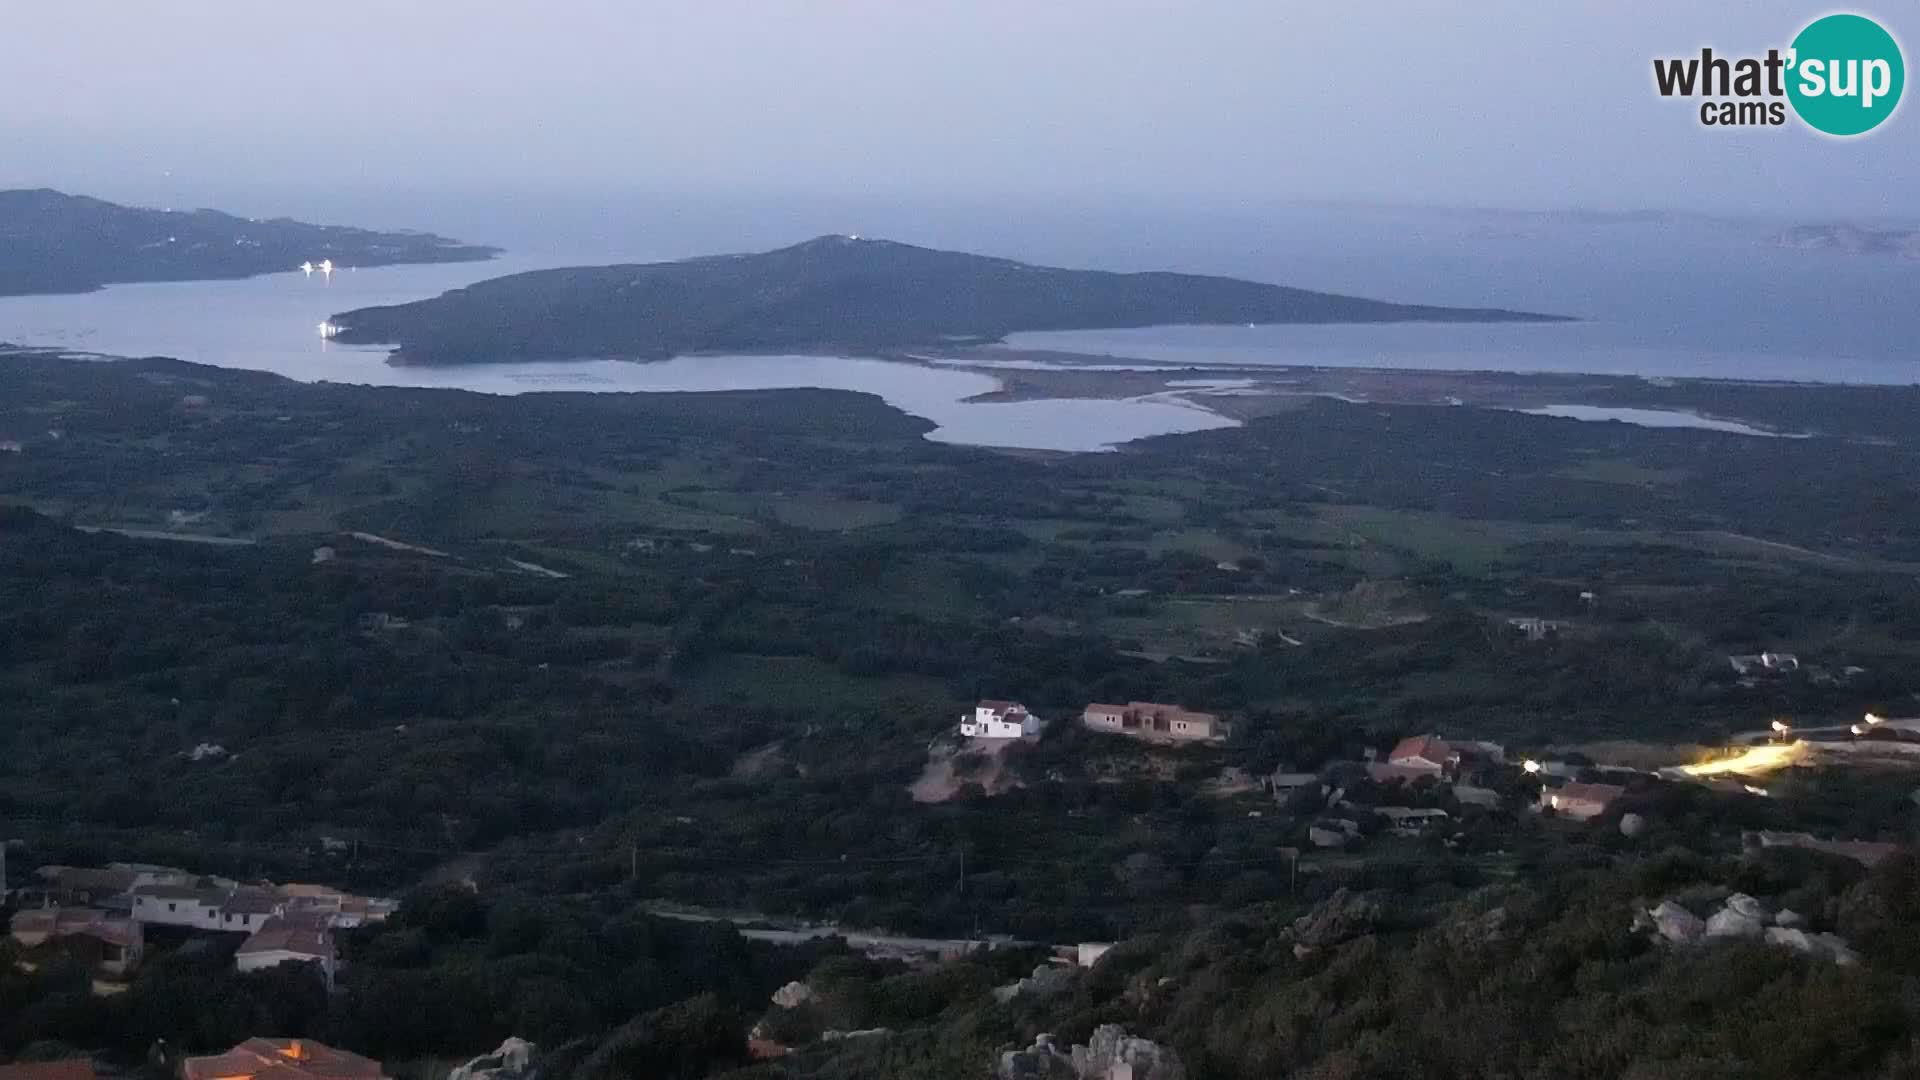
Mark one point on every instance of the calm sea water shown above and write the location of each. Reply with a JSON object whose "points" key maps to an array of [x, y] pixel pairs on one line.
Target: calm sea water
{"points": [[1674, 297], [1680, 297]]}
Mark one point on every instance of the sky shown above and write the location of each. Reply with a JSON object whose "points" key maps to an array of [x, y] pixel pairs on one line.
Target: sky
{"points": [[1112, 105]]}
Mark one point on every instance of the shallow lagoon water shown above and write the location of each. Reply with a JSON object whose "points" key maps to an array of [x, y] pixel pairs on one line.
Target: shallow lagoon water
{"points": [[1656, 418], [271, 323]]}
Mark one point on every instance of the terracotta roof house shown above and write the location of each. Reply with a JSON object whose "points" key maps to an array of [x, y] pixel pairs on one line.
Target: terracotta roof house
{"points": [[1382, 772], [1427, 752], [1153, 721], [110, 944], [70, 1069], [281, 941], [281, 1059], [1581, 802], [88, 884], [327, 906]]}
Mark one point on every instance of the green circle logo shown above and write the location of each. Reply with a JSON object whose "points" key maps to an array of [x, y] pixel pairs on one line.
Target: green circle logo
{"points": [[1846, 74]]}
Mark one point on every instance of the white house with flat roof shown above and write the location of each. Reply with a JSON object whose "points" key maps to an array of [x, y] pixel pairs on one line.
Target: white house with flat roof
{"points": [[999, 720]]}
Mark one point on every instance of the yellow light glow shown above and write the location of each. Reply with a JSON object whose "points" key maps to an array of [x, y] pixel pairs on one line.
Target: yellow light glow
{"points": [[1781, 726], [1752, 761]]}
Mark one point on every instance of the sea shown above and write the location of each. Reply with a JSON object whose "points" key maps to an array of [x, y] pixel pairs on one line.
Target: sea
{"points": [[1654, 295]]}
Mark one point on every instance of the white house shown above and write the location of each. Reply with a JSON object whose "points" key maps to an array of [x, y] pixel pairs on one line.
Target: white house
{"points": [[238, 910], [178, 905], [282, 942], [999, 720]]}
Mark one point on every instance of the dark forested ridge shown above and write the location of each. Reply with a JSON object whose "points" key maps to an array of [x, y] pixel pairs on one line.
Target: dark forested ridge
{"points": [[53, 242], [832, 292], [599, 652]]}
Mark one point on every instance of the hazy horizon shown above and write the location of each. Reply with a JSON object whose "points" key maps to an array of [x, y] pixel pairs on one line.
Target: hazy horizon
{"points": [[1078, 107]]}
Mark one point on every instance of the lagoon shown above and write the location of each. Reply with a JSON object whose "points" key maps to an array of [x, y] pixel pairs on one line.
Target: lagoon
{"points": [[271, 323]]}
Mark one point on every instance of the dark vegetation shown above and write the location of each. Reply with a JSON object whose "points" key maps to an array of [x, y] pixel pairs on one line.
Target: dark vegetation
{"points": [[834, 291], [773, 602], [1536, 980], [51, 242], [451, 970]]}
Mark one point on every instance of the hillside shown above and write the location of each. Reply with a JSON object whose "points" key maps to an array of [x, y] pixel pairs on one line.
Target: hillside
{"points": [[53, 242], [831, 292]]}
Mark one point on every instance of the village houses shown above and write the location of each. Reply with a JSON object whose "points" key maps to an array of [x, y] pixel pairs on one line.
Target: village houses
{"points": [[105, 943], [1000, 720], [1416, 758], [289, 941], [63, 1069], [1154, 722], [1581, 802], [201, 908], [282, 1059], [283, 923], [1411, 820]]}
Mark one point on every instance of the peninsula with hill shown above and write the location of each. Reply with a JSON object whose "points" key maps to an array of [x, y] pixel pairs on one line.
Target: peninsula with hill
{"points": [[53, 242], [832, 292]]}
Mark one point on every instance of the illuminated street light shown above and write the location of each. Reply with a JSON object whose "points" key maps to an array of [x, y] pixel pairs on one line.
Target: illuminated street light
{"points": [[1531, 766]]}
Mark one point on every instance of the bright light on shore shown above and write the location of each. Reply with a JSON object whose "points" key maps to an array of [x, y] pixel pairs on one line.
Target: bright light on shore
{"points": [[1781, 726], [1872, 719], [1531, 766], [1752, 761]]}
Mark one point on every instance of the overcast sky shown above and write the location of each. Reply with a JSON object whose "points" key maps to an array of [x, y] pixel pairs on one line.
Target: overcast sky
{"points": [[1212, 103]]}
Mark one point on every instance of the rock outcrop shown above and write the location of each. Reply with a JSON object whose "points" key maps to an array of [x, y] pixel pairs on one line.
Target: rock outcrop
{"points": [[1676, 924], [1046, 981], [1109, 1055], [1113, 1053], [1743, 918], [1831, 946], [512, 1060], [1341, 917], [793, 995], [1038, 1062]]}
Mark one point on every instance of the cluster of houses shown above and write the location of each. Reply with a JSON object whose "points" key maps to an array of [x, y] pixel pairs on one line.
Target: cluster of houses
{"points": [[1456, 765], [255, 1059], [100, 916], [282, 1059], [1146, 720]]}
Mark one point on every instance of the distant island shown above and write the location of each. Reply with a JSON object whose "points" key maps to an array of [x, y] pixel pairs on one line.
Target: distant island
{"points": [[1851, 240], [52, 242], [833, 292]]}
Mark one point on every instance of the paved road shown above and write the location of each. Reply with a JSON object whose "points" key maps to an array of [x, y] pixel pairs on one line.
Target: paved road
{"points": [[859, 939]]}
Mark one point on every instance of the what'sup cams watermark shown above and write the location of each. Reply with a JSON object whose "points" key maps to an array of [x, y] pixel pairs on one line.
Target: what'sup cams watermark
{"points": [[1842, 76]]}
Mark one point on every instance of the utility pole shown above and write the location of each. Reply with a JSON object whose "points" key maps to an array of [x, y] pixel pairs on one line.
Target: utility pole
{"points": [[963, 869], [633, 863], [3, 869]]}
